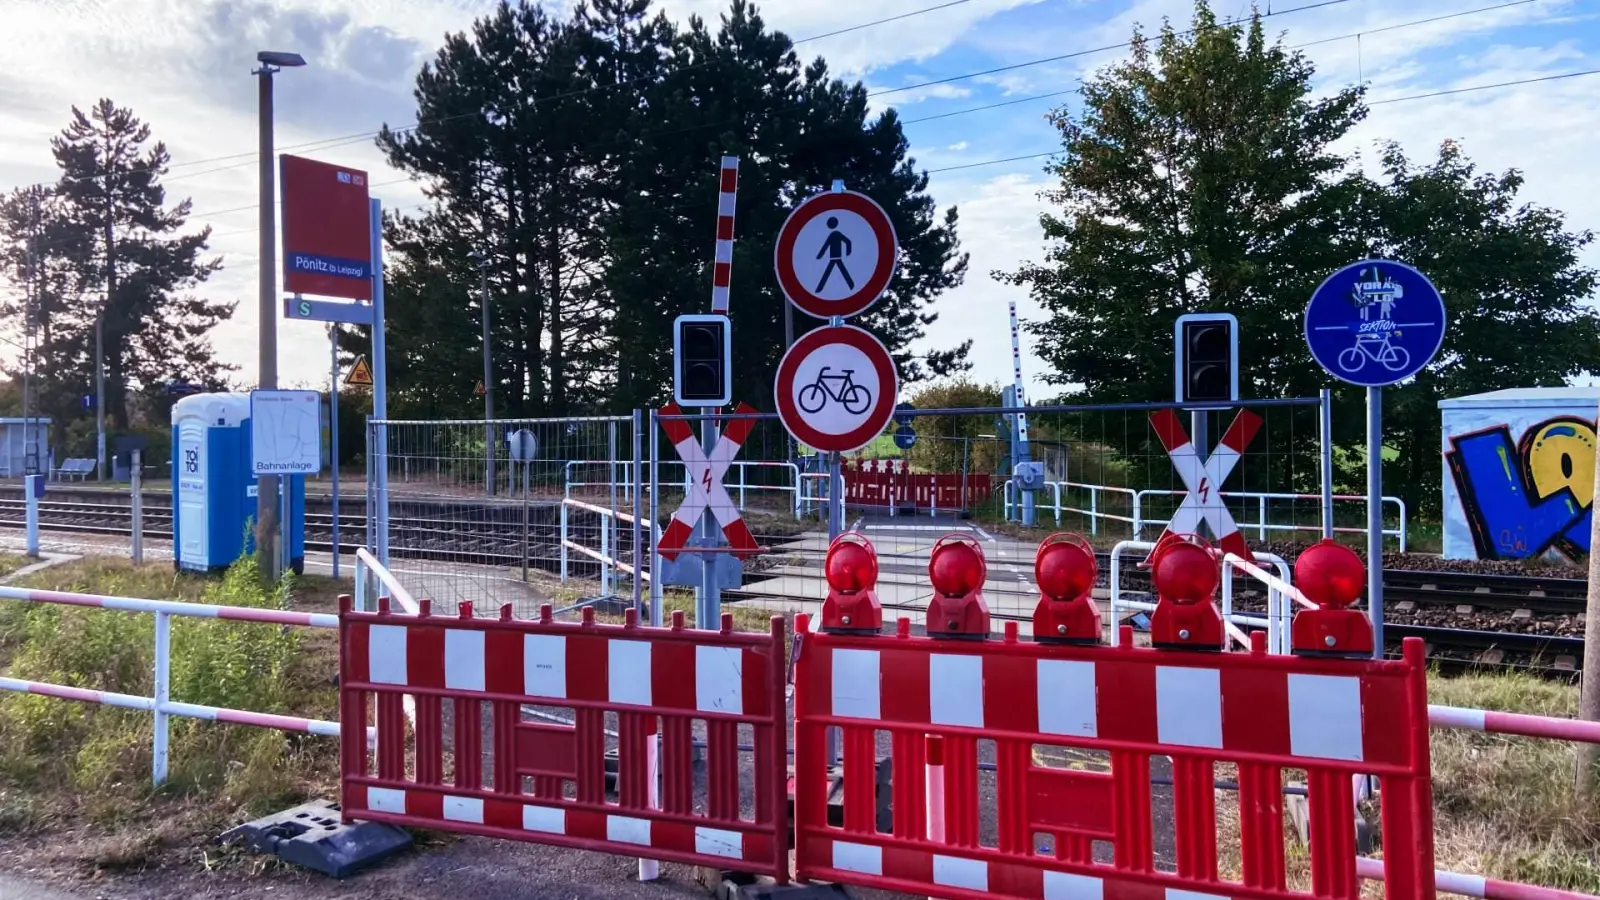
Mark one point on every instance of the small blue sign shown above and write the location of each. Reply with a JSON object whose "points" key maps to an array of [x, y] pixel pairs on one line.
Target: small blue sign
{"points": [[88, 401], [905, 437], [1375, 322], [902, 413]]}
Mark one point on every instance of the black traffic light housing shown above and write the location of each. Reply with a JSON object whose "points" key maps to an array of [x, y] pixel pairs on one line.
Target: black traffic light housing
{"points": [[702, 360], [1207, 356]]}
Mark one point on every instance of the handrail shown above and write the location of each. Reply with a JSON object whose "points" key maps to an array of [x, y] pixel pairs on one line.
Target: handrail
{"points": [[161, 705], [367, 564], [604, 554], [1262, 526], [1277, 588], [1228, 616]]}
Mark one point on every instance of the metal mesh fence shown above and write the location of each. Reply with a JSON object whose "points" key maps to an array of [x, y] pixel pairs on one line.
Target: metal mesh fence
{"points": [[462, 520], [1107, 475]]}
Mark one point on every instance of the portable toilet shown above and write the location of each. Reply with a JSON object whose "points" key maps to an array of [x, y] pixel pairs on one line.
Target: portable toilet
{"points": [[214, 491]]}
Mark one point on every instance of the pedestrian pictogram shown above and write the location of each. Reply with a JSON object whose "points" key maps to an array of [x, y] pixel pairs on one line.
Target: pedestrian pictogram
{"points": [[1204, 479], [479, 390], [835, 389], [836, 254], [360, 374], [705, 490]]}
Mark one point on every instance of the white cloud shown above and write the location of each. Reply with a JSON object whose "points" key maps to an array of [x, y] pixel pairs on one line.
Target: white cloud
{"points": [[957, 147], [999, 227]]}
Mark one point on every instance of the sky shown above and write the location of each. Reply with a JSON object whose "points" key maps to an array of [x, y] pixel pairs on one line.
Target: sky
{"points": [[184, 67]]}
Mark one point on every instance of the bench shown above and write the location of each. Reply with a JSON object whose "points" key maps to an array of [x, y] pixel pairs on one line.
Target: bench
{"points": [[80, 468]]}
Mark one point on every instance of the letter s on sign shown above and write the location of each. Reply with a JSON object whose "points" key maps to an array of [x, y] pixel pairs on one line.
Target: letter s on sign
{"points": [[305, 309]]}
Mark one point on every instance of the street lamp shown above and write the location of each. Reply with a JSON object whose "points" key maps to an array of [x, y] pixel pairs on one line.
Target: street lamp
{"points": [[267, 486], [482, 262]]}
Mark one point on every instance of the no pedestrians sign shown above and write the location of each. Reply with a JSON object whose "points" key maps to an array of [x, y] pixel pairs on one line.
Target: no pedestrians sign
{"points": [[836, 253]]}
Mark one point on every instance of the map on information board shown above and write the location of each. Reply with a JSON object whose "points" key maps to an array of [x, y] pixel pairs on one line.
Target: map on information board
{"points": [[285, 432]]}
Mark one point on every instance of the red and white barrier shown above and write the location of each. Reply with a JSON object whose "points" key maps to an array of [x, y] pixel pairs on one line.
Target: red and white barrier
{"points": [[1476, 885], [722, 265]]}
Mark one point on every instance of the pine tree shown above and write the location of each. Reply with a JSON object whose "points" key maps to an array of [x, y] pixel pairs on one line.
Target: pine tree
{"points": [[581, 157], [111, 226]]}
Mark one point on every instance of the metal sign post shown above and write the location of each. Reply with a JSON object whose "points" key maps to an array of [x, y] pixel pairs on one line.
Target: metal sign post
{"points": [[136, 503], [522, 446], [1374, 323], [333, 434]]}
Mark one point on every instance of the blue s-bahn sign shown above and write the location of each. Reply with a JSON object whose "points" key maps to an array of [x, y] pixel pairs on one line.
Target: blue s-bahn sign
{"points": [[1375, 322]]}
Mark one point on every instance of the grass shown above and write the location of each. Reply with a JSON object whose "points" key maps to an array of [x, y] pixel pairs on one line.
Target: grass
{"points": [[1504, 807], [78, 776], [10, 562]]}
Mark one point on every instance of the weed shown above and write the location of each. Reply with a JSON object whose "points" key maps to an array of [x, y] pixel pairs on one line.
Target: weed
{"points": [[92, 764], [10, 562]]}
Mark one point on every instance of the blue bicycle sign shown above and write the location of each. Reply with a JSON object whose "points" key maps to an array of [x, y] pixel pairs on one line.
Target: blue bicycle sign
{"points": [[1375, 322]]}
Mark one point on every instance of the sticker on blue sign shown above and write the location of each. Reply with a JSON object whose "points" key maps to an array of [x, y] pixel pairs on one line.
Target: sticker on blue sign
{"points": [[1375, 322]]}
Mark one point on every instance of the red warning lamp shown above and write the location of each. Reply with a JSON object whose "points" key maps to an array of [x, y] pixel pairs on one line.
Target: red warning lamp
{"points": [[957, 570], [851, 568], [1332, 576], [1065, 569], [1185, 573]]}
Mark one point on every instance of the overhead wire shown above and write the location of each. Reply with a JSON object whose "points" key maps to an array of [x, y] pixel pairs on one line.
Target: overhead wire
{"points": [[331, 143]]}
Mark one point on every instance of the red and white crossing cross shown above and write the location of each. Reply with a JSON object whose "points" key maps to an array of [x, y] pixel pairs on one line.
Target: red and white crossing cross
{"points": [[1204, 479], [705, 483]]}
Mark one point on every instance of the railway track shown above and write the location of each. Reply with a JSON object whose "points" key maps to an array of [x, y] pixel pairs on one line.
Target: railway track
{"points": [[493, 537]]}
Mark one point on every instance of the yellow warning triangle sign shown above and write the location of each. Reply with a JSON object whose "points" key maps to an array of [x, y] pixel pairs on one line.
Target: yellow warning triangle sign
{"points": [[360, 374], [478, 391]]}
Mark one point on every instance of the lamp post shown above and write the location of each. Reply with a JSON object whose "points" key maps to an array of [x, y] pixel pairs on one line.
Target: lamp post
{"points": [[482, 262], [267, 485]]}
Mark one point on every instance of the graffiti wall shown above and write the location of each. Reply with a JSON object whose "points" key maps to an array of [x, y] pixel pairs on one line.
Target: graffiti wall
{"points": [[1519, 473]]}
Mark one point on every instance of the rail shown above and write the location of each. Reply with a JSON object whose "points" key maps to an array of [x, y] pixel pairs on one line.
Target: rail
{"points": [[1138, 502], [623, 479], [161, 705], [1093, 513], [372, 574], [608, 561], [1229, 617], [1262, 525]]}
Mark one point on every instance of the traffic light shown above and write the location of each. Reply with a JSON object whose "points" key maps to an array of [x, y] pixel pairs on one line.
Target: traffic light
{"points": [[1207, 346], [702, 360]]}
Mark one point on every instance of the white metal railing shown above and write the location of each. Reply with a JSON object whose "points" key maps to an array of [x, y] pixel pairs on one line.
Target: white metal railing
{"points": [[161, 705], [610, 518], [1261, 525], [1229, 617], [622, 478], [370, 575], [1137, 502], [1093, 513]]}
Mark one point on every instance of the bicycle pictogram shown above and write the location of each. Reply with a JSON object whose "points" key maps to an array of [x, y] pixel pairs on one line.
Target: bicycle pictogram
{"points": [[1377, 347], [842, 389]]}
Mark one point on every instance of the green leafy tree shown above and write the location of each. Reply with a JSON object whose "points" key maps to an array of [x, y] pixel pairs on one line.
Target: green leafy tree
{"points": [[1513, 290], [1199, 177]]}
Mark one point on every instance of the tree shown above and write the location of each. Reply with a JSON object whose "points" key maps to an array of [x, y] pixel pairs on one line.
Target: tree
{"points": [[580, 157], [1513, 290], [106, 244], [1200, 177], [957, 443]]}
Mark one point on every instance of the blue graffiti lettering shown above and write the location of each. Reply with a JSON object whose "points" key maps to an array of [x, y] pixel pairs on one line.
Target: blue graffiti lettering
{"points": [[1507, 521]]}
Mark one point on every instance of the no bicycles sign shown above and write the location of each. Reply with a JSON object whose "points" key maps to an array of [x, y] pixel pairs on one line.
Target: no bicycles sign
{"points": [[836, 389], [835, 254]]}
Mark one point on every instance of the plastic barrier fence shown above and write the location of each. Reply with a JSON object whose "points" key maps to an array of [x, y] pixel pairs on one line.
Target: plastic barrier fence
{"points": [[547, 783], [1332, 718]]}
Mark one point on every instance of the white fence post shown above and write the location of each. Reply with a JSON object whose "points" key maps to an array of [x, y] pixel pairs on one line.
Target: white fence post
{"points": [[31, 487], [163, 694]]}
